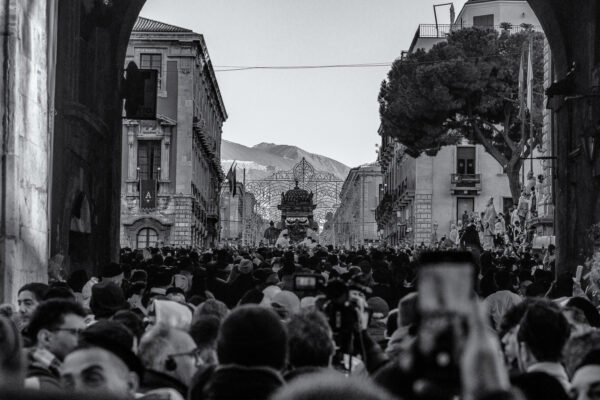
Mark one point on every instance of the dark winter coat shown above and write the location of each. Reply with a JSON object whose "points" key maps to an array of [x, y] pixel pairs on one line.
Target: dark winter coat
{"points": [[230, 382]]}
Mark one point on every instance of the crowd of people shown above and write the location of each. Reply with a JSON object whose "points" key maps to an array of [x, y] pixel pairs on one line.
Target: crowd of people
{"points": [[305, 322]]}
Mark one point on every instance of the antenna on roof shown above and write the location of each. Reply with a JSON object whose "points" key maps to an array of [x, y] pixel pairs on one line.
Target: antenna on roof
{"points": [[436, 19]]}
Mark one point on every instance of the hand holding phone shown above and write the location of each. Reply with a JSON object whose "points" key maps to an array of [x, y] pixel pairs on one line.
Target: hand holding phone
{"points": [[445, 299]]}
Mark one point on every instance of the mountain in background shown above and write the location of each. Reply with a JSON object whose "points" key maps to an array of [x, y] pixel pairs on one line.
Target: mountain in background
{"points": [[264, 159]]}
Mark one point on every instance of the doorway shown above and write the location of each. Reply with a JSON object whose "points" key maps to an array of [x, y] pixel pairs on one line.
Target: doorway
{"points": [[464, 204]]}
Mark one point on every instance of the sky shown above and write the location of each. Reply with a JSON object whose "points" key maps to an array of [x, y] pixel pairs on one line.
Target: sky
{"points": [[332, 112]]}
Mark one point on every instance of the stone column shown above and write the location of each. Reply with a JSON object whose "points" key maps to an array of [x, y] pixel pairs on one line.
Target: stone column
{"points": [[165, 153], [26, 83]]}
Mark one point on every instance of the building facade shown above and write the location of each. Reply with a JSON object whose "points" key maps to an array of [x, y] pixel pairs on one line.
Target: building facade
{"points": [[241, 224], [422, 197], [171, 166], [353, 222]]}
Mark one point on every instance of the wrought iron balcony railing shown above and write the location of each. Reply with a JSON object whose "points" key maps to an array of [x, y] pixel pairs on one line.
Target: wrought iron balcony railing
{"points": [[465, 182]]}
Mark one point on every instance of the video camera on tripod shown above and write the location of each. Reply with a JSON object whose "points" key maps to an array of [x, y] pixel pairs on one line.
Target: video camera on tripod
{"points": [[345, 306]]}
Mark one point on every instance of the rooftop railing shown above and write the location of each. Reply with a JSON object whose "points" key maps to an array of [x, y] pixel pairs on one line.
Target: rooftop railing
{"points": [[442, 30]]}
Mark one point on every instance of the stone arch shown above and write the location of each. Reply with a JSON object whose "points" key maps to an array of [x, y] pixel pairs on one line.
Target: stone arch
{"points": [[573, 32], [91, 41], [132, 230], [548, 16]]}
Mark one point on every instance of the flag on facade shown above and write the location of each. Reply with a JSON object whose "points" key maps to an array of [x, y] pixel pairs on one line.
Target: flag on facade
{"points": [[521, 81], [230, 178], [234, 180], [530, 76]]}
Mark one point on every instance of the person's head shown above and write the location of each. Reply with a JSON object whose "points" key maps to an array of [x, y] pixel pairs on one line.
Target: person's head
{"points": [[252, 336], [205, 331], [55, 326], [285, 303], [503, 279], [379, 308], [107, 299], [542, 334], [211, 307], [29, 296], [59, 290], [176, 294], [577, 347], [592, 316], [331, 386], [131, 321], [245, 267], [112, 272], [169, 351], [507, 332], [332, 259], [577, 320], [585, 384], [77, 280], [12, 363], [310, 340], [103, 363]]}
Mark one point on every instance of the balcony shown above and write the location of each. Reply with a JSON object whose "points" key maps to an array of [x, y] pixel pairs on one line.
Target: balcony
{"points": [[469, 184], [440, 31]]}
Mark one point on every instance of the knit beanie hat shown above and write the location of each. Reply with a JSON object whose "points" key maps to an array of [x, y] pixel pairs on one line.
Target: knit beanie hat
{"points": [[139, 276], [107, 299], [379, 307], [252, 336]]}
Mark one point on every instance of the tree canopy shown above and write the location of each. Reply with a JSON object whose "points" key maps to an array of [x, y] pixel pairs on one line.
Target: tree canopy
{"points": [[465, 87]]}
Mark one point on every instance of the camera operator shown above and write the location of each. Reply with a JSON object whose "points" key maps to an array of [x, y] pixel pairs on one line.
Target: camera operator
{"points": [[345, 306]]}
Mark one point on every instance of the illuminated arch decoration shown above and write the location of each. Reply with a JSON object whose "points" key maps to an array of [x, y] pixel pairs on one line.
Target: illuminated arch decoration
{"points": [[325, 187]]}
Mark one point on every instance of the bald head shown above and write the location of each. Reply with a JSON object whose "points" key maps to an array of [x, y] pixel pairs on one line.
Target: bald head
{"points": [[162, 342]]}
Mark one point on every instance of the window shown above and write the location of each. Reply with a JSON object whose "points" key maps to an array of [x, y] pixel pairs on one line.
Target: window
{"points": [[465, 160], [149, 159], [152, 61], [146, 237], [484, 20]]}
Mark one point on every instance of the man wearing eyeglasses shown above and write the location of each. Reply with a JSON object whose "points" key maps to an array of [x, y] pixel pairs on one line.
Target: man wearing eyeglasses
{"points": [[170, 358], [54, 331]]}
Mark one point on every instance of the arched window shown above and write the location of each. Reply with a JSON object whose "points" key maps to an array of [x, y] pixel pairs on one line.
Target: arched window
{"points": [[147, 237]]}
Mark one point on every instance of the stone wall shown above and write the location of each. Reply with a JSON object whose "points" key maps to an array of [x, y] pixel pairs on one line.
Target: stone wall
{"points": [[25, 114], [423, 228], [181, 233]]}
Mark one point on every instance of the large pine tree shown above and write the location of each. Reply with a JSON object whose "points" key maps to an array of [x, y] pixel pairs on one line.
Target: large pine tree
{"points": [[466, 87]]}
